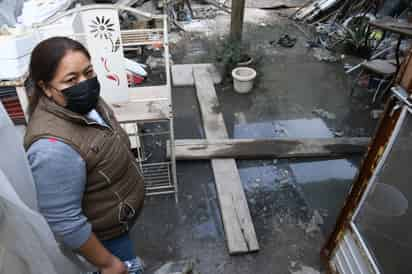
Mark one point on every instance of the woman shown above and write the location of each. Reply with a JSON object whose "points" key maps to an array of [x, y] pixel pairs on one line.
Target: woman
{"points": [[89, 187]]}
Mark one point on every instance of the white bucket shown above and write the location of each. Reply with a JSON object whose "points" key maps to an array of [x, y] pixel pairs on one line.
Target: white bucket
{"points": [[243, 78]]}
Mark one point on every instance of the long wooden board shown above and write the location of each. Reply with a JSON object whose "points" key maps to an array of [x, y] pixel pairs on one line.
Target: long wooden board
{"points": [[182, 74], [237, 222], [192, 149]]}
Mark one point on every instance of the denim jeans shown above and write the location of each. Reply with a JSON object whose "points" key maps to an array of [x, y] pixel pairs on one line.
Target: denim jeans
{"points": [[122, 247]]}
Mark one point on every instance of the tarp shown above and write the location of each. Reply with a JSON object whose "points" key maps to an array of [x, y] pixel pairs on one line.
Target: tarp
{"points": [[9, 11], [38, 11], [27, 245]]}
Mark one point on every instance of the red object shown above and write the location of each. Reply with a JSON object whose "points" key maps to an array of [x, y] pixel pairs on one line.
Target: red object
{"points": [[110, 75], [12, 106], [52, 140], [134, 79], [113, 77], [104, 61]]}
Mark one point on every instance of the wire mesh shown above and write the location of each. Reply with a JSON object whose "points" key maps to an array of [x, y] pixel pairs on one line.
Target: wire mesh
{"points": [[150, 141]]}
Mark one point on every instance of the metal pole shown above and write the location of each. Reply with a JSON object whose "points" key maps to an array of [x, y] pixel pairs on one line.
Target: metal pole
{"points": [[171, 115], [373, 57]]}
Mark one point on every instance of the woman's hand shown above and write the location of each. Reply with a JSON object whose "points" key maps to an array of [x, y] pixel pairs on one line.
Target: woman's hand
{"points": [[99, 256], [115, 267]]}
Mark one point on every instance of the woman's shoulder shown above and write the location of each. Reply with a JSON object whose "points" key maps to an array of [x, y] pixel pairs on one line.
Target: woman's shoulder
{"points": [[54, 150]]}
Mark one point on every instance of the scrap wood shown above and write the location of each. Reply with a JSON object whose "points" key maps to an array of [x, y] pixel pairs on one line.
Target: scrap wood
{"points": [[127, 2], [219, 5], [275, 4], [239, 229], [257, 149], [376, 55], [314, 9], [400, 25]]}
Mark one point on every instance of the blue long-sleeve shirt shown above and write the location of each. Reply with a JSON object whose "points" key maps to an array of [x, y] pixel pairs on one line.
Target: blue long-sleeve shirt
{"points": [[60, 176]]}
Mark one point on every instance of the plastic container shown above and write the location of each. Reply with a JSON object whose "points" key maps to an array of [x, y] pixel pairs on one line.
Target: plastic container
{"points": [[12, 69], [243, 79], [15, 55]]}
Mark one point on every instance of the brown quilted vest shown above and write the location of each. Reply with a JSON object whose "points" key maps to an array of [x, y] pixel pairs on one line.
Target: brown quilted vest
{"points": [[114, 191]]}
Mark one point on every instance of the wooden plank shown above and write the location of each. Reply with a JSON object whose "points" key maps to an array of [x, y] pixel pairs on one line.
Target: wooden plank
{"points": [[141, 111], [192, 149], [237, 222], [182, 74], [14, 82], [153, 93], [219, 5], [275, 4]]}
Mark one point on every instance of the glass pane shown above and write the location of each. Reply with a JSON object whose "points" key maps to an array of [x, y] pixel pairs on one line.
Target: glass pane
{"points": [[385, 220]]}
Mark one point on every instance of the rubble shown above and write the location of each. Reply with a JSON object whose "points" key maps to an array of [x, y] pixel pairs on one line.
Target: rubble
{"points": [[324, 55], [287, 41], [204, 12]]}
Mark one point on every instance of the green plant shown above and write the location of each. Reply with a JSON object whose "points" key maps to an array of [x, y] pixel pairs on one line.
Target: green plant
{"points": [[358, 37], [230, 53]]}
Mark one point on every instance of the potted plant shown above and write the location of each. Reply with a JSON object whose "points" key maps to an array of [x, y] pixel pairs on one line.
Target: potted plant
{"points": [[231, 54]]}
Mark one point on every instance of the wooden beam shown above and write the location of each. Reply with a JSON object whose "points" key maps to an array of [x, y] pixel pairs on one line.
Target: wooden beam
{"points": [[237, 222], [192, 149], [182, 74], [236, 23]]}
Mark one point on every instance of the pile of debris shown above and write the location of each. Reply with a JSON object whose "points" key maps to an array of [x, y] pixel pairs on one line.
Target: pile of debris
{"points": [[363, 29], [340, 23], [321, 11]]}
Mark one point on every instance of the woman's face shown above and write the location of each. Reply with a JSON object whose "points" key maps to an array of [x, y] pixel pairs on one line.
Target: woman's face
{"points": [[73, 68]]}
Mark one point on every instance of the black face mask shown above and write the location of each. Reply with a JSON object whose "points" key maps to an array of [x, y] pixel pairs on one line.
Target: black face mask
{"points": [[83, 97]]}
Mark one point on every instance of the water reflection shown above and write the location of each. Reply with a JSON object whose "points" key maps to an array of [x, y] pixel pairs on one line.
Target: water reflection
{"points": [[322, 184]]}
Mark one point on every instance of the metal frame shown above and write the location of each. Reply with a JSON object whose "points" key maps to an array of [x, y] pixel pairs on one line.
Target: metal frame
{"points": [[390, 126], [364, 249], [350, 257], [159, 176], [382, 81], [160, 95], [361, 245]]}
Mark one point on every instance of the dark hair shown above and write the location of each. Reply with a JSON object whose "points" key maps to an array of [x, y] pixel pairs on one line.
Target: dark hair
{"points": [[45, 59]]}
